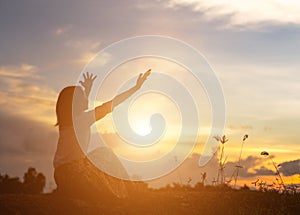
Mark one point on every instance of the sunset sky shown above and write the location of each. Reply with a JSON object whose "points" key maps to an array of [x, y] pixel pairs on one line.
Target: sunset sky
{"points": [[253, 47]]}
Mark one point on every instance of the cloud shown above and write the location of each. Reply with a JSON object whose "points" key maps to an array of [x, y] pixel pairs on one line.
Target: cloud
{"points": [[86, 49], [23, 92], [96, 60], [23, 71], [82, 44], [27, 134], [249, 169], [190, 169], [243, 12], [290, 168], [24, 143], [60, 31], [262, 171], [253, 167], [33, 136]]}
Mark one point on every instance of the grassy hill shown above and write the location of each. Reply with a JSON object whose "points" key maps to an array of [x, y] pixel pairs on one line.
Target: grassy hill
{"points": [[209, 201]]}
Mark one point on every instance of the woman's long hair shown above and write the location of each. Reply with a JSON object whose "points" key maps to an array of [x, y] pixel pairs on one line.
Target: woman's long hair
{"points": [[71, 102]]}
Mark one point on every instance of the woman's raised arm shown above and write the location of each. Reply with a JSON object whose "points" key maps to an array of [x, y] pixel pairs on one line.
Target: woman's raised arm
{"points": [[108, 107]]}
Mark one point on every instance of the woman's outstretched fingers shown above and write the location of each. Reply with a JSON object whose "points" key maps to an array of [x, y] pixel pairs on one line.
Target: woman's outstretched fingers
{"points": [[93, 78], [88, 81], [142, 77], [147, 73], [88, 76]]}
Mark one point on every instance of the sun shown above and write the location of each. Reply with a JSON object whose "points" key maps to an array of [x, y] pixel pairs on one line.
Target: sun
{"points": [[141, 127]]}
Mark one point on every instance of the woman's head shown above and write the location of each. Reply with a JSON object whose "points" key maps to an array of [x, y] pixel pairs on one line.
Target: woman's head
{"points": [[71, 102]]}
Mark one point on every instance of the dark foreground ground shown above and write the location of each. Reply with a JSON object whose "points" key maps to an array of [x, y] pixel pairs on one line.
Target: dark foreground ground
{"points": [[158, 202]]}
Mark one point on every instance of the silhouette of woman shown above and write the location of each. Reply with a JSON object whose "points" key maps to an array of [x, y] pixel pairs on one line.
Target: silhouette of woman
{"points": [[74, 173]]}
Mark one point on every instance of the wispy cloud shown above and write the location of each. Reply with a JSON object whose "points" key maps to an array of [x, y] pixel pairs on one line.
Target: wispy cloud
{"points": [[25, 70], [62, 30], [21, 87], [243, 12], [82, 44], [86, 49]]}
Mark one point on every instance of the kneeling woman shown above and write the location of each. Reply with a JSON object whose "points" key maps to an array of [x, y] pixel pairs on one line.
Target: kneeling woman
{"points": [[74, 173]]}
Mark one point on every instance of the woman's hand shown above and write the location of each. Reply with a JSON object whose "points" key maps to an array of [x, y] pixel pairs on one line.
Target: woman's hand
{"points": [[88, 82], [142, 78]]}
